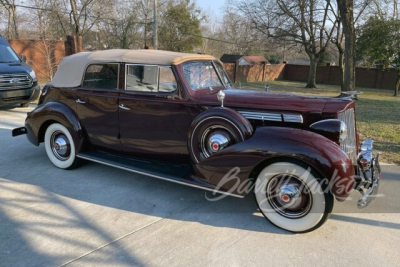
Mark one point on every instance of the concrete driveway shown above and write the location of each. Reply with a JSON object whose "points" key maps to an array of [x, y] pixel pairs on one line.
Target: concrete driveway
{"points": [[101, 216]]}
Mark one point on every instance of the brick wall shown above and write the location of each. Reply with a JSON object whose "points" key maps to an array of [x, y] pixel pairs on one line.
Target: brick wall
{"points": [[44, 56]]}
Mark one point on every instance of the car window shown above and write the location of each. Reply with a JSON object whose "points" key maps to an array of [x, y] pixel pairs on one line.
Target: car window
{"points": [[104, 76], [201, 75], [142, 78], [222, 74], [167, 82]]}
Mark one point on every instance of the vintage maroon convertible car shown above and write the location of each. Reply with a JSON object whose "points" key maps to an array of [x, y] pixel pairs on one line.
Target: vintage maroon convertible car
{"points": [[176, 117]]}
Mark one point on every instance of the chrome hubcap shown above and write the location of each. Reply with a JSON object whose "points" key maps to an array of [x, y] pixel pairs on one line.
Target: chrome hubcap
{"points": [[289, 196], [214, 139], [60, 145]]}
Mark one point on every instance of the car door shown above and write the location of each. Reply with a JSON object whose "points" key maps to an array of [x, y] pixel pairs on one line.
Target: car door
{"points": [[97, 105], [154, 117]]}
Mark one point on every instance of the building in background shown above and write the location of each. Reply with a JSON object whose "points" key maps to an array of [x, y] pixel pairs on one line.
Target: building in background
{"points": [[242, 60]]}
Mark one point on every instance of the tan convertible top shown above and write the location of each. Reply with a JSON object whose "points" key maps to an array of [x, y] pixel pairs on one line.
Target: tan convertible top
{"points": [[72, 68]]}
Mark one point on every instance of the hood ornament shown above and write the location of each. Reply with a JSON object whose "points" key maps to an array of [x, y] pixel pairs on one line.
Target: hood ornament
{"points": [[221, 97], [352, 95]]}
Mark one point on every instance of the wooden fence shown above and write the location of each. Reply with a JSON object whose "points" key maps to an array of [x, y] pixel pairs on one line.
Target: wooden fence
{"points": [[369, 78]]}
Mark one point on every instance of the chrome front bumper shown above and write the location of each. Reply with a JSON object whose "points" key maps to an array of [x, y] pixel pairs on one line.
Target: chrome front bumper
{"points": [[368, 183]]}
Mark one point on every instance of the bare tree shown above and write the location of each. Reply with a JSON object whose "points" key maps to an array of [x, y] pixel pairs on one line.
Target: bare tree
{"points": [[145, 12], [86, 13], [385, 8], [346, 10], [301, 22], [46, 19], [47, 51], [338, 38], [12, 25], [124, 29]]}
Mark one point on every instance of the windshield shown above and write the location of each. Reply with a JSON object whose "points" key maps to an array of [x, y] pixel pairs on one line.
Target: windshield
{"points": [[222, 74], [201, 75], [7, 54]]}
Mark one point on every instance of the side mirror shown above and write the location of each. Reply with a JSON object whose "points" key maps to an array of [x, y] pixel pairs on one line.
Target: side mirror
{"points": [[22, 57]]}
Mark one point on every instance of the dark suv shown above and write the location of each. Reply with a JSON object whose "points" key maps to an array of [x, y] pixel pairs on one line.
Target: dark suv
{"points": [[18, 82]]}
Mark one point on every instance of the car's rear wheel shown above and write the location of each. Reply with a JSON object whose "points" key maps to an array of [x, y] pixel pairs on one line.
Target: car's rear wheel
{"points": [[292, 197], [60, 147]]}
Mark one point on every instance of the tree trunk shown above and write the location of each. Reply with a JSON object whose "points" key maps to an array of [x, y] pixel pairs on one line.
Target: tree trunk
{"points": [[341, 68], [9, 35], [397, 87], [347, 18], [312, 76], [75, 16], [78, 43], [15, 24]]}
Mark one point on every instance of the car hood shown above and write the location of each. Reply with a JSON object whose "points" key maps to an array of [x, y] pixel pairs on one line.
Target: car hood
{"points": [[272, 101], [9, 68]]}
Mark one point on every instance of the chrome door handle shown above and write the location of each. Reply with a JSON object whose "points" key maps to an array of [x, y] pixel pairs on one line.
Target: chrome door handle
{"points": [[80, 101], [122, 106]]}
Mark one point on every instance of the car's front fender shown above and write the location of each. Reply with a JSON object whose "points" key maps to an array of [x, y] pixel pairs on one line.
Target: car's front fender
{"points": [[53, 112], [280, 143]]}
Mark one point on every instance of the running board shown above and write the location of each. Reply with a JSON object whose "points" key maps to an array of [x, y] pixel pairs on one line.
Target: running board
{"points": [[176, 173]]}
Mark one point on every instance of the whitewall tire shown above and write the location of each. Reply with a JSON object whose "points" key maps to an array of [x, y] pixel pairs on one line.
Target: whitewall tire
{"points": [[60, 147], [291, 197]]}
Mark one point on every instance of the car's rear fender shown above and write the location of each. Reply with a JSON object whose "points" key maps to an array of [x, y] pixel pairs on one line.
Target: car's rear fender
{"points": [[41, 117], [271, 143]]}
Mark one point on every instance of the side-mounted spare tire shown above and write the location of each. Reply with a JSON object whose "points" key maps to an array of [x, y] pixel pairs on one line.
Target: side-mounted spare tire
{"points": [[214, 130]]}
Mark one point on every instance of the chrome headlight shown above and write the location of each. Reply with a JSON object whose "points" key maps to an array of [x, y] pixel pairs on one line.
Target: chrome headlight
{"points": [[333, 129], [33, 75]]}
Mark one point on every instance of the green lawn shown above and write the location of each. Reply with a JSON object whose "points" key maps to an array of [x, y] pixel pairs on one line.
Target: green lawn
{"points": [[378, 113]]}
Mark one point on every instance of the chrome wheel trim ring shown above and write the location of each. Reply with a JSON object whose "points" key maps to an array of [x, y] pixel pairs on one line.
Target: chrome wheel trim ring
{"points": [[216, 134], [60, 145], [289, 196]]}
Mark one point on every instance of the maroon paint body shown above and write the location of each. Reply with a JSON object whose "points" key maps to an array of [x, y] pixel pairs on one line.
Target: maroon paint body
{"points": [[284, 144], [157, 126]]}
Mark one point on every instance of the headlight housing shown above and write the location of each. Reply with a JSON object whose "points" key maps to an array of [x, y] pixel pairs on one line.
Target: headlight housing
{"points": [[333, 129], [33, 75]]}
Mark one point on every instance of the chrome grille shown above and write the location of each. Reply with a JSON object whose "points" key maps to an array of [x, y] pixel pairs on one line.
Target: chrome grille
{"points": [[349, 145], [15, 81]]}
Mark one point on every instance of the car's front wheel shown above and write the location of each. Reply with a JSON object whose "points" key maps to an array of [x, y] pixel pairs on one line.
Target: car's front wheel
{"points": [[292, 197], [60, 147]]}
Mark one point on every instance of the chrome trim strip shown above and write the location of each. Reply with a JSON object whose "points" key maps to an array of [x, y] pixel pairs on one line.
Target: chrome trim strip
{"points": [[295, 118], [267, 116], [263, 116], [158, 177]]}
